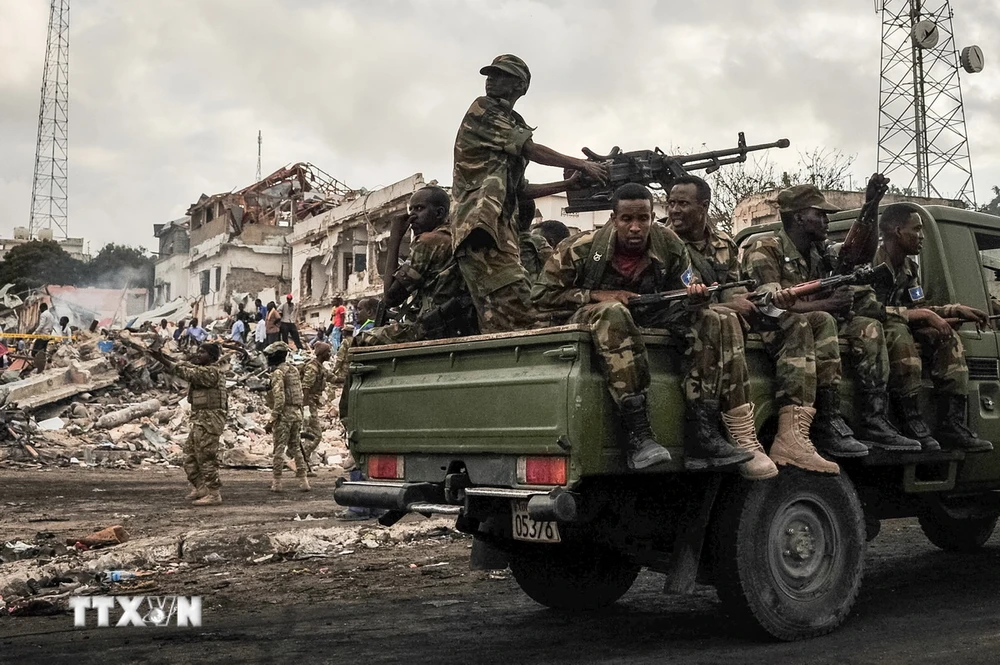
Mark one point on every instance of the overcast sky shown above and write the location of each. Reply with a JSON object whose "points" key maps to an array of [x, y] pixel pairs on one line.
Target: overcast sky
{"points": [[166, 96]]}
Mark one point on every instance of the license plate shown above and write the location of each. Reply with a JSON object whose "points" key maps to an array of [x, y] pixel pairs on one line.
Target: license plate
{"points": [[531, 530]]}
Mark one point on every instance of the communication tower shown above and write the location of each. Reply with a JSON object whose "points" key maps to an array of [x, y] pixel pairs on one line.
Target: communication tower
{"points": [[922, 141], [49, 200]]}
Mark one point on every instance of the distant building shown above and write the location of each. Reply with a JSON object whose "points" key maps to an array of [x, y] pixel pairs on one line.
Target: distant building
{"points": [[171, 267], [72, 246]]}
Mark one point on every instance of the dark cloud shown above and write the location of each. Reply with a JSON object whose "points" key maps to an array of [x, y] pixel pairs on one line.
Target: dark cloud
{"points": [[167, 98]]}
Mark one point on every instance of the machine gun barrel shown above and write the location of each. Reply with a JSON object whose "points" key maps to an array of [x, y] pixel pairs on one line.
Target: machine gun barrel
{"points": [[681, 294], [711, 161]]}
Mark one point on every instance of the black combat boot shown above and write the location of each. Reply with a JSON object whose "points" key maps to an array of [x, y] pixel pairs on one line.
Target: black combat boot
{"points": [[829, 432], [875, 428], [912, 422], [705, 446], [952, 430], [644, 451]]}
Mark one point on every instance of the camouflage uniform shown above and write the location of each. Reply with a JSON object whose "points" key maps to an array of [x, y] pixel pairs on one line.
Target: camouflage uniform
{"points": [[313, 387], [285, 400], [207, 396], [489, 171], [713, 339], [806, 348], [535, 251], [716, 259], [432, 278], [947, 357]]}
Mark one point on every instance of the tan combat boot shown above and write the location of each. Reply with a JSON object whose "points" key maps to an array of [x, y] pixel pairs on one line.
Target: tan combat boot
{"points": [[196, 493], [739, 424], [792, 444], [303, 484], [211, 498], [276, 484]]}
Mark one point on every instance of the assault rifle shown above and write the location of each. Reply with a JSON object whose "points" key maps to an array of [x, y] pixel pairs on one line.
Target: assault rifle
{"points": [[654, 169], [863, 275], [681, 294]]}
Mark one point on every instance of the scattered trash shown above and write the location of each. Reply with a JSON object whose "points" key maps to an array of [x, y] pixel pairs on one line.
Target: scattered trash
{"points": [[98, 489], [345, 552], [51, 424], [112, 535], [307, 518], [119, 575], [213, 557], [442, 603], [34, 607], [17, 550], [266, 558]]}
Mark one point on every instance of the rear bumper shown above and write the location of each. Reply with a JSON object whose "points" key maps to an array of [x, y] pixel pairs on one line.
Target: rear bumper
{"points": [[555, 505]]}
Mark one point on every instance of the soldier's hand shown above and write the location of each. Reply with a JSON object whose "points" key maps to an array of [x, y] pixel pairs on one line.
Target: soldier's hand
{"points": [[784, 298], [840, 301], [612, 296], [875, 185], [596, 171], [698, 294], [574, 180], [967, 313], [399, 225], [742, 306]]}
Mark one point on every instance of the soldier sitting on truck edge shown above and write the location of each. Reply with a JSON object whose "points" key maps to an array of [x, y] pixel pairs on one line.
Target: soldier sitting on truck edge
{"points": [[492, 149], [910, 316], [806, 346], [590, 279], [535, 249], [553, 231], [715, 260]]}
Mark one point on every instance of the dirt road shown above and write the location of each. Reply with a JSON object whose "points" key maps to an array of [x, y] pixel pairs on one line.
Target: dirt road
{"points": [[918, 605]]}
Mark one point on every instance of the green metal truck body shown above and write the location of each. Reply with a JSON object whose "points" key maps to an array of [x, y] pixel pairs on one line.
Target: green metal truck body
{"points": [[465, 420]]}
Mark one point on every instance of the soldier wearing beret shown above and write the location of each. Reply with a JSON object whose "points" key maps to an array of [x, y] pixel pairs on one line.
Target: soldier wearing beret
{"points": [[492, 150]]}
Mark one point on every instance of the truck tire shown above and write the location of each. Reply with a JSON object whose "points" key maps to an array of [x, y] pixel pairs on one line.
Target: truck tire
{"points": [[573, 578], [790, 553], [957, 535]]}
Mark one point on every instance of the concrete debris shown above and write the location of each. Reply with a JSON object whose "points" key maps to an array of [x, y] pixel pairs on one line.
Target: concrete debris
{"points": [[128, 414]]}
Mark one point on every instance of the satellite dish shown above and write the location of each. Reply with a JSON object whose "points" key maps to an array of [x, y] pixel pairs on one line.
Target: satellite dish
{"points": [[925, 34], [972, 59]]}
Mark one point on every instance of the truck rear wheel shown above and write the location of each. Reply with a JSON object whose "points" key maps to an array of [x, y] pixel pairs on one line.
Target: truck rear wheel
{"points": [[790, 553], [954, 534], [575, 578]]}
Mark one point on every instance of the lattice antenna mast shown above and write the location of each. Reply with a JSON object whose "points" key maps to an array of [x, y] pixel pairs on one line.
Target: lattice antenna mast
{"points": [[49, 194], [260, 140], [922, 140]]}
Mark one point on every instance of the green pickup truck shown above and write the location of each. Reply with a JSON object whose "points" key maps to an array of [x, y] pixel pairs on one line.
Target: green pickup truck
{"points": [[514, 434]]}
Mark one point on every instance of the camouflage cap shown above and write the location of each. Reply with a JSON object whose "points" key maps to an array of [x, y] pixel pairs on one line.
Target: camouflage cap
{"points": [[801, 197], [276, 347], [508, 64]]}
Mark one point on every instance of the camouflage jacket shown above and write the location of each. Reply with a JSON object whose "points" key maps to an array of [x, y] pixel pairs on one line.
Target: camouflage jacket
{"points": [[774, 262], [905, 292], [430, 274], [313, 381], [206, 385], [716, 259], [562, 286], [286, 389], [535, 251], [489, 171]]}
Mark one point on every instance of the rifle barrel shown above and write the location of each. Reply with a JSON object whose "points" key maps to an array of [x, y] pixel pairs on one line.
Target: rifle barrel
{"points": [[680, 294]]}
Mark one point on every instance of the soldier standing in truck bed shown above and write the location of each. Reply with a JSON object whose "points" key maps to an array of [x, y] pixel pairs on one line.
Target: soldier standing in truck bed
{"points": [[285, 400], [492, 149], [910, 317], [590, 279], [806, 346]]}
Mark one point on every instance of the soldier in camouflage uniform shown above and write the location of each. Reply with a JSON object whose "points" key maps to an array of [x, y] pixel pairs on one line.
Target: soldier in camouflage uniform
{"points": [[590, 279], [806, 346], [715, 261], [430, 277], [492, 149], [313, 388], [207, 396], [535, 251], [285, 400], [910, 316]]}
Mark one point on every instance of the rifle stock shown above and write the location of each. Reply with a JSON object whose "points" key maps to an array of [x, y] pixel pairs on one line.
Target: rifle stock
{"points": [[656, 169]]}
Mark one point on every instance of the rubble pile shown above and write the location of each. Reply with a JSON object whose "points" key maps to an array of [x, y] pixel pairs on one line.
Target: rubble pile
{"points": [[121, 410]]}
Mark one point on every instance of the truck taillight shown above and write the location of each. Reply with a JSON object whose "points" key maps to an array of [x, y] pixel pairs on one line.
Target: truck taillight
{"points": [[541, 470], [386, 467]]}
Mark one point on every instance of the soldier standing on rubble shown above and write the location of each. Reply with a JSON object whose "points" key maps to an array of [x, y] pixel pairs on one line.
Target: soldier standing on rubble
{"points": [[492, 149], [591, 278], [207, 396], [285, 400], [313, 387]]}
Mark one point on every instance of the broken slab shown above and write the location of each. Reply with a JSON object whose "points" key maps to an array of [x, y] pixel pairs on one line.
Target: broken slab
{"points": [[58, 383]]}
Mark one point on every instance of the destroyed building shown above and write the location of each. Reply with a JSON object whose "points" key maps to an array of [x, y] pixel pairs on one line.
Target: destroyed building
{"points": [[342, 252], [234, 244]]}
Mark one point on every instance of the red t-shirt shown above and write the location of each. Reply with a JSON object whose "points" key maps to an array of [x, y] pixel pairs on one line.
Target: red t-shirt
{"points": [[338, 316]]}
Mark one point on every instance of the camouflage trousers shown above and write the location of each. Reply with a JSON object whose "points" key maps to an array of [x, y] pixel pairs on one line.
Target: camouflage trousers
{"points": [[946, 356], [498, 285], [313, 427], [201, 450], [806, 354], [867, 354], [397, 332], [288, 438], [715, 362]]}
